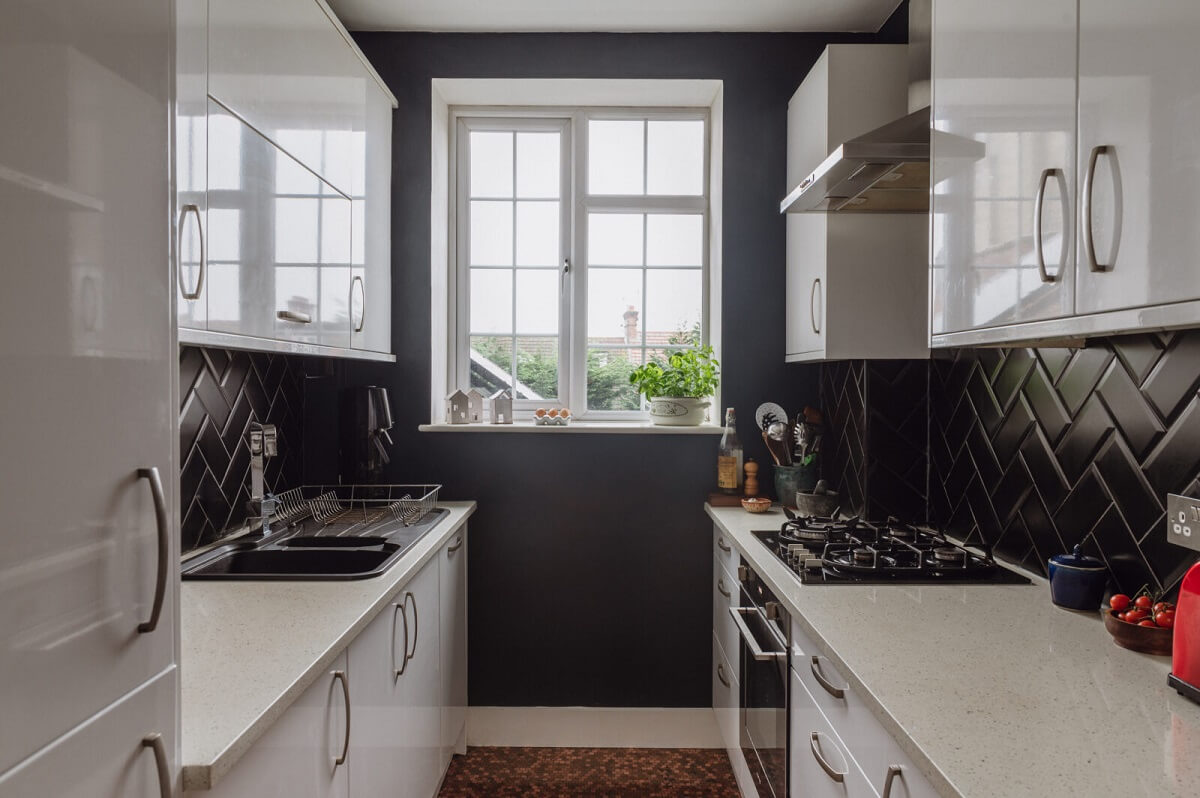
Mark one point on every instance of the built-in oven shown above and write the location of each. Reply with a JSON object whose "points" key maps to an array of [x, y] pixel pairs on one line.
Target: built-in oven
{"points": [[765, 630]]}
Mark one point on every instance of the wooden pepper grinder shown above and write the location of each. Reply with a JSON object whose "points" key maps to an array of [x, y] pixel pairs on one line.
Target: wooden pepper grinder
{"points": [[751, 482]]}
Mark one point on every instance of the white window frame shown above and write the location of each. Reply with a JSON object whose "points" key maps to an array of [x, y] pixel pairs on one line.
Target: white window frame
{"points": [[573, 344]]}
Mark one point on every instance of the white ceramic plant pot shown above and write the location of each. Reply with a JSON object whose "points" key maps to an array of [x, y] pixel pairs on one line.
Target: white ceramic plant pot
{"points": [[678, 411]]}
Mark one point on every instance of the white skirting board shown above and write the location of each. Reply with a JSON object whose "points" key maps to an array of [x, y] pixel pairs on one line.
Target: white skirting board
{"points": [[593, 727]]}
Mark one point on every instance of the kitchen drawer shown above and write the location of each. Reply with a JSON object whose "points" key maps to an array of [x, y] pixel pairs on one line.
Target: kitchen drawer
{"points": [[723, 626], [725, 696], [871, 745], [725, 551], [808, 777]]}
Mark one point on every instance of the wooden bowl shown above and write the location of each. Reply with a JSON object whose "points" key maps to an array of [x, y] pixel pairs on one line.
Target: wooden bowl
{"points": [[758, 504], [1138, 638]]}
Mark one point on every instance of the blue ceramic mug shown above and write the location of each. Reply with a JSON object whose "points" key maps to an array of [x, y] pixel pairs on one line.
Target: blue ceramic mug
{"points": [[1077, 581]]}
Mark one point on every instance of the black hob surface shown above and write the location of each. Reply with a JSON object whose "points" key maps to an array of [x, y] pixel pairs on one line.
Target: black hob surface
{"points": [[825, 551]]}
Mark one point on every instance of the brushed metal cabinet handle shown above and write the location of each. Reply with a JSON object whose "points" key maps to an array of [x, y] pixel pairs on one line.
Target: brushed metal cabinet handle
{"points": [[155, 743], [721, 587], [1038, 201], [416, 625], [362, 292], [404, 616], [756, 650], [893, 772], [455, 546], [341, 677], [836, 692], [836, 775], [293, 315], [723, 546], [160, 520], [1089, 180], [721, 675], [194, 293], [812, 305]]}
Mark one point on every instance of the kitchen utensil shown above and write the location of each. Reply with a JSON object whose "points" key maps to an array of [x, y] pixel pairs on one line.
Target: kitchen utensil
{"points": [[759, 504], [775, 436], [792, 479], [1185, 665], [1146, 639], [812, 415], [1077, 581], [768, 412], [819, 504]]}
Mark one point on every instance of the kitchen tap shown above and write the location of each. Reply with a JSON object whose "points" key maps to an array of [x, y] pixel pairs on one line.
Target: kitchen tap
{"points": [[263, 446]]}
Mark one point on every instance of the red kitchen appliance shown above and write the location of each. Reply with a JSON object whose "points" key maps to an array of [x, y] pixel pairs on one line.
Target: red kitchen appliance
{"points": [[1183, 528]]}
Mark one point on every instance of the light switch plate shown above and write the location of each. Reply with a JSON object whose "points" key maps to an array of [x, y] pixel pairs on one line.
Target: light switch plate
{"points": [[1183, 521]]}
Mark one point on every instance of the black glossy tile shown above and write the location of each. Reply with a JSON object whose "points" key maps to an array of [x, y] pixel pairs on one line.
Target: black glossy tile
{"points": [[191, 363], [1010, 492], [1127, 566], [1138, 422], [1012, 375], [1176, 459], [1054, 361], [1081, 375], [987, 409], [1176, 376], [1083, 440], [1046, 405], [1012, 432], [1080, 511], [1138, 354], [1128, 487]]}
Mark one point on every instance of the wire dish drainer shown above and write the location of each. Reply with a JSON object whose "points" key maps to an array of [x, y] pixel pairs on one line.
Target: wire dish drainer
{"points": [[358, 510]]}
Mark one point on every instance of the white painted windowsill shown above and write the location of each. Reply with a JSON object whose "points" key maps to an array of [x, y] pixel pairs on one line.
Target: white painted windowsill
{"points": [[579, 427]]}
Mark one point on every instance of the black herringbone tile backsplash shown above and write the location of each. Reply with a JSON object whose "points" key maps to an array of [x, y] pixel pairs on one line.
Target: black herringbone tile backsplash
{"points": [[1032, 450], [221, 392]]}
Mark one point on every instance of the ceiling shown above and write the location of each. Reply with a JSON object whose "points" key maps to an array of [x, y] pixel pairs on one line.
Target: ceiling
{"points": [[614, 15]]}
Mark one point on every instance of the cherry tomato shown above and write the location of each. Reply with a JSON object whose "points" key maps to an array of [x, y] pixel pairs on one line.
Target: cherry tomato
{"points": [[1165, 619], [1119, 602], [1159, 607], [1142, 602], [1133, 616], [1147, 623]]}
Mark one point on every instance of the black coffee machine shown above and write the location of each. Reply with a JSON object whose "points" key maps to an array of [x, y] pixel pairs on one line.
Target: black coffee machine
{"points": [[366, 418]]}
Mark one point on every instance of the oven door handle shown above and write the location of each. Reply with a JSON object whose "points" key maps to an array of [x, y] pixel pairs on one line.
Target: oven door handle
{"points": [[756, 650]]}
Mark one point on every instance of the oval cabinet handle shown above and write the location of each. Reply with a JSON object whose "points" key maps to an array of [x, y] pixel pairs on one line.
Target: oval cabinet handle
{"points": [[362, 292], [195, 292], [892, 773], [160, 519], [723, 546], [812, 305], [293, 315], [155, 743], [721, 675], [1089, 181], [400, 608], [455, 546], [341, 677], [1038, 202], [724, 591], [836, 692], [836, 775], [416, 626]]}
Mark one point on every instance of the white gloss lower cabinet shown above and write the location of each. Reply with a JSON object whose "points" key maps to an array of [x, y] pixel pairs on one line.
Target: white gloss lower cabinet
{"points": [[298, 755], [821, 764], [112, 755], [452, 574]]}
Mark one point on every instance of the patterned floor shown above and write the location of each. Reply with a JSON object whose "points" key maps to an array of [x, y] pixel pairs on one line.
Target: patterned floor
{"points": [[590, 773]]}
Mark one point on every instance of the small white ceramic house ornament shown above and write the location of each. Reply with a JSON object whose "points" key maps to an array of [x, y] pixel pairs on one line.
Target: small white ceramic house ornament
{"points": [[500, 407], [475, 400], [458, 408]]}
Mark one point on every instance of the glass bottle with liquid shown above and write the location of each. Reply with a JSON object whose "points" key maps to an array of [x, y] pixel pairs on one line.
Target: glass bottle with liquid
{"points": [[729, 457]]}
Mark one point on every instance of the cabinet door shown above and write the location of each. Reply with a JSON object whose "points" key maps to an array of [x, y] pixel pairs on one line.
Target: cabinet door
{"points": [[378, 734], [88, 354], [191, 160], [299, 754], [806, 258], [421, 717], [370, 296], [818, 756], [1137, 99], [452, 565], [278, 240], [285, 67], [112, 755], [1003, 114]]}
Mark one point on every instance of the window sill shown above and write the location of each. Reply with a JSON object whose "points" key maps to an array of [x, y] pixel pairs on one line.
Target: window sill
{"points": [[579, 427]]}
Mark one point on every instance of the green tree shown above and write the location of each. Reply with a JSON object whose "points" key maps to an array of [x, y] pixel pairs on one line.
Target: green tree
{"points": [[608, 373]]}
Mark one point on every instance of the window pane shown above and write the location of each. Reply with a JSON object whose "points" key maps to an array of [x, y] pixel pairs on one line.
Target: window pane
{"points": [[614, 306], [296, 230], [537, 368], [674, 239], [614, 239], [674, 301], [537, 301], [491, 363], [491, 164], [491, 301], [491, 233], [615, 157], [537, 234], [537, 164], [608, 385], [675, 157]]}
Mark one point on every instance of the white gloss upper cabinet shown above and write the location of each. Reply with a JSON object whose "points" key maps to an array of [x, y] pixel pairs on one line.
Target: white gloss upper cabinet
{"points": [[279, 241], [111, 755], [191, 160], [1003, 162], [370, 290], [1137, 99], [89, 357], [300, 753], [452, 610], [285, 67]]}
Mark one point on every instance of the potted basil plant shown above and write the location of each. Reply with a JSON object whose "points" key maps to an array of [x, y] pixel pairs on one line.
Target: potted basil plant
{"points": [[679, 389]]}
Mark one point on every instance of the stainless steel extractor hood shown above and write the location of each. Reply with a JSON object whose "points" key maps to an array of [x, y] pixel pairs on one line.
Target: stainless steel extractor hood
{"points": [[883, 171]]}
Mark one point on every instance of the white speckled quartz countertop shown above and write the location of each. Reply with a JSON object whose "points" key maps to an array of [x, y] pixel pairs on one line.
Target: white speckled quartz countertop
{"points": [[991, 689], [249, 649]]}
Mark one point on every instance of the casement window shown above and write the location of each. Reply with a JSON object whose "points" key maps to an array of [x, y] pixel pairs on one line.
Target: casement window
{"points": [[580, 251]]}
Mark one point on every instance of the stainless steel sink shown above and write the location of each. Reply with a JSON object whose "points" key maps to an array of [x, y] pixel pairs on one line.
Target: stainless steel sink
{"points": [[301, 553]]}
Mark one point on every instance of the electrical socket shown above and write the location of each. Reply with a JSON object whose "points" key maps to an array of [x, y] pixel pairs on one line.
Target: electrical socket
{"points": [[1183, 521]]}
